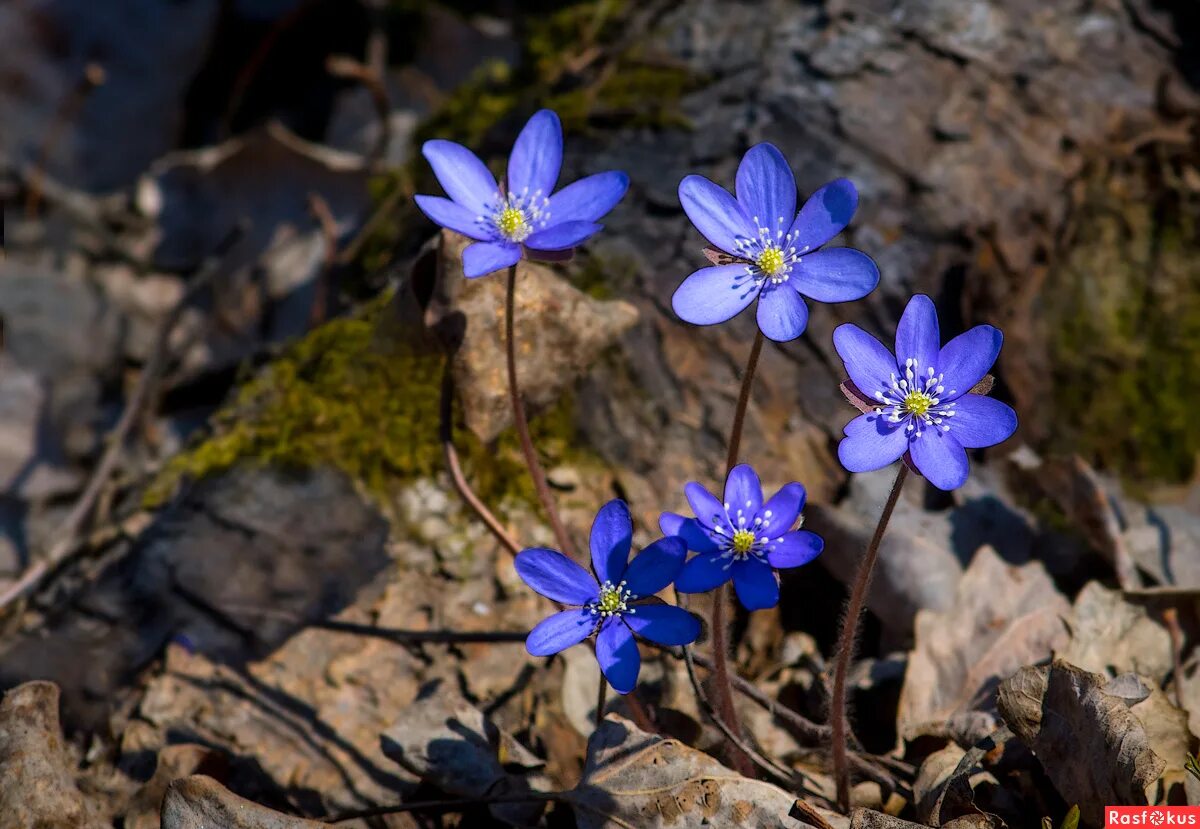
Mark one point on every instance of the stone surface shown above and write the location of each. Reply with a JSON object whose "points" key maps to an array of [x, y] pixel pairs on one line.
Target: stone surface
{"points": [[560, 332], [231, 571], [37, 771]]}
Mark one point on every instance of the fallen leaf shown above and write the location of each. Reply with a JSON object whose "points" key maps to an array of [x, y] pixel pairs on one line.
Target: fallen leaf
{"points": [[1002, 617], [1092, 746], [1111, 635], [199, 802], [633, 779]]}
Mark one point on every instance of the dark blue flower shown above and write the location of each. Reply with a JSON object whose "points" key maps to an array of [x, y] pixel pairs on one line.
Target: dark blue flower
{"points": [[742, 538], [611, 603], [520, 215], [921, 397], [769, 250]]}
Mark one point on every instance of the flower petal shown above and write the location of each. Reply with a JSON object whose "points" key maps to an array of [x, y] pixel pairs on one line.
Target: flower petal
{"points": [[655, 566], [940, 458], [664, 624], [766, 187], [536, 156], [782, 314], [756, 584], [703, 573], [794, 549], [617, 653], [780, 513], [917, 334], [868, 362], [967, 357], [825, 214], [556, 577], [560, 631], [709, 511], [712, 295], [562, 236], [462, 175], [610, 541], [871, 442], [743, 492], [452, 215], [483, 258], [715, 213], [835, 275], [981, 421], [589, 198], [689, 529]]}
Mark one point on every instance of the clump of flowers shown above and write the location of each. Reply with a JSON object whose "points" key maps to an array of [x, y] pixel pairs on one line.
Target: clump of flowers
{"points": [[522, 215], [613, 604], [920, 402], [741, 538], [764, 249]]}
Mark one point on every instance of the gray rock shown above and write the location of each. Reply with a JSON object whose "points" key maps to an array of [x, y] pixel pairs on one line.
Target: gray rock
{"points": [[37, 773], [297, 544]]}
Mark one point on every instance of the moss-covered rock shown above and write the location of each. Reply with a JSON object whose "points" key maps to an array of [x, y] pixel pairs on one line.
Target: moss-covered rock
{"points": [[1123, 317], [360, 395]]}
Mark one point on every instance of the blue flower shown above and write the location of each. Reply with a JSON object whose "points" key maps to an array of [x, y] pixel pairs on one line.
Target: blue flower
{"points": [[769, 250], [611, 603], [520, 215], [922, 406], [742, 538]]}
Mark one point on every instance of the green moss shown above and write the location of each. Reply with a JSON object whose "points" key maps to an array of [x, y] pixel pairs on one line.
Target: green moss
{"points": [[355, 397], [1124, 322], [558, 70]]}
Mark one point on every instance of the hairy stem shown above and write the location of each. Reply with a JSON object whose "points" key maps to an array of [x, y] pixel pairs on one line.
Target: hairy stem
{"points": [[601, 697], [719, 627], [522, 423], [847, 640]]}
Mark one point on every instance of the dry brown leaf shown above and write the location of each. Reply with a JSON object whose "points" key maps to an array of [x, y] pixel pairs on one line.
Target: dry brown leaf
{"points": [[1094, 749], [635, 780], [1112, 635], [1003, 617]]}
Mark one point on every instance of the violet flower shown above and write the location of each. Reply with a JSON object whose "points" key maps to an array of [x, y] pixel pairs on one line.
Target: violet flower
{"points": [[612, 603], [769, 250], [518, 216], [742, 539], [923, 406]]}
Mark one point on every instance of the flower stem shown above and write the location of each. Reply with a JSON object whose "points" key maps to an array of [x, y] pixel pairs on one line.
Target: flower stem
{"points": [[719, 627], [847, 640], [600, 699], [522, 423], [739, 414]]}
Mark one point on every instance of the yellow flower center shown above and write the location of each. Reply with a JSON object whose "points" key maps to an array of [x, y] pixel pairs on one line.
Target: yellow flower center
{"points": [[770, 261], [511, 222], [743, 540], [917, 403], [610, 600]]}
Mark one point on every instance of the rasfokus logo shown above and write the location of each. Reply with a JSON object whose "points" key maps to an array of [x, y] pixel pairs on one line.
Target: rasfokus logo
{"points": [[1152, 816]]}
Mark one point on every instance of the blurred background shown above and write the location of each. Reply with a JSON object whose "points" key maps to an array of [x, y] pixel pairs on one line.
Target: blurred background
{"points": [[223, 338]]}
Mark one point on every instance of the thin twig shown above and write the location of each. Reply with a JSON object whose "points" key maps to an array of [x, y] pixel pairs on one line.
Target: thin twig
{"points": [[1171, 619], [720, 597], [329, 235], [93, 76], [77, 518], [344, 66], [406, 637], [846, 642], [522, 424], [448, 805], [456, 474]]}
